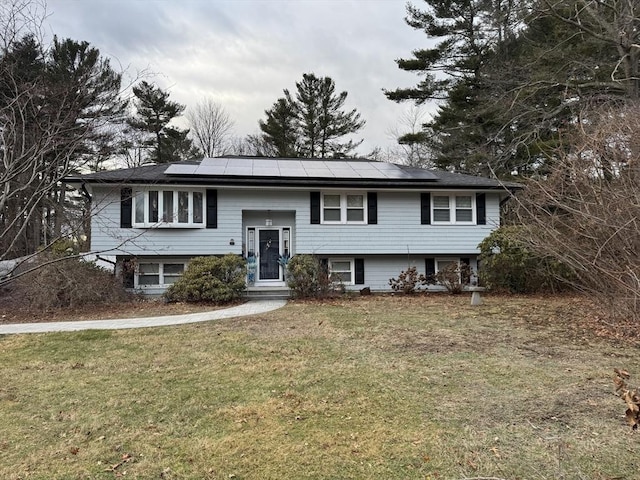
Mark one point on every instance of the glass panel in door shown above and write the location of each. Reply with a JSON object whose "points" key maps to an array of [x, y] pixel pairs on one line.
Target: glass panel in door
{"points": [[269, 243]]}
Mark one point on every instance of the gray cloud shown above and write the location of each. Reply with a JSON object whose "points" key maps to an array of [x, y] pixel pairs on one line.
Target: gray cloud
{"points": [[243, 53]]}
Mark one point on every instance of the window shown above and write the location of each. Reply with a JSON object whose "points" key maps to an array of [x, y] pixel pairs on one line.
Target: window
{"points": [[453, 209], [172, 272], [441, 211], [464, 208], [344, 208], [341, 271], [156, 274], [168, 208], [331, 208], [461, 266], [446, 263], [355, 208], [148, 274]]}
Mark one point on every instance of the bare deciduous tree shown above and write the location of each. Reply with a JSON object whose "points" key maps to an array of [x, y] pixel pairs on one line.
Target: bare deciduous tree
{"points": [[586, 212], [612, 22], [412, 149], [211, 127], [56, 108], [18, 18], [251, 145]]}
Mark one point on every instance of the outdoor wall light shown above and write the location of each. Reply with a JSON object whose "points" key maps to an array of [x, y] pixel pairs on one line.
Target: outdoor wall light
{"points": [[232, 242]]}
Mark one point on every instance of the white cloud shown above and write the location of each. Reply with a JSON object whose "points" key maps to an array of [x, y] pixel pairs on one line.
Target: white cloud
{"points": [[243, 53]]}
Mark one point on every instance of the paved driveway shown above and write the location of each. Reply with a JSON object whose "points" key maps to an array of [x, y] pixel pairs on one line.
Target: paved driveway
{"points": [[248, 308]]}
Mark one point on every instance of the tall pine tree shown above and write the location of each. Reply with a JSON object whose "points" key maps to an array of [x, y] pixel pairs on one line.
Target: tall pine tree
{"points": [[510, 77], [311, 122], [58, 107], [280, 130], [154, 113]]}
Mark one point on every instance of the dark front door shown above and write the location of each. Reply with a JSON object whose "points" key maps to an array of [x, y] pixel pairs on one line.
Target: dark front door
{"points": [[269, 242]]}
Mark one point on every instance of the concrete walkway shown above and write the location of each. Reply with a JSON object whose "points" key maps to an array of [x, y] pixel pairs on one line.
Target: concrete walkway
{"points": [[249, 308]]}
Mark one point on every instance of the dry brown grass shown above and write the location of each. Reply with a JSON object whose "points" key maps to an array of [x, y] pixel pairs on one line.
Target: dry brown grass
{"points": [[133, 308], [380, 387]]}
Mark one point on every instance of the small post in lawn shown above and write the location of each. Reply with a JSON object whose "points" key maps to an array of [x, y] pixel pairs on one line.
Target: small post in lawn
{"points": [[476, 299]]}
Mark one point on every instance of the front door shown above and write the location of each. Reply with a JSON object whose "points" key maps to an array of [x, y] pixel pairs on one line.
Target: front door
{"points": [[269, 248]]}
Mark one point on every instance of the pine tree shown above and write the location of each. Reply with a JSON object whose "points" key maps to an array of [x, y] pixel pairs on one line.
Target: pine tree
{"points": [[280, 128], [311, 122], [56, 109], [511, 77], [154, 112]]}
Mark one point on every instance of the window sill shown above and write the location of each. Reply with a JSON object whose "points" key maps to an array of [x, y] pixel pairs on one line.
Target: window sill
{"points": [[464, 224], [169, 225], [344, 223]]}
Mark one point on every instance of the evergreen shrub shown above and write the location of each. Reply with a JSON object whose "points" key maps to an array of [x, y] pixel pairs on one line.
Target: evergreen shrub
{"points": [[307, 277], [210, 279]]}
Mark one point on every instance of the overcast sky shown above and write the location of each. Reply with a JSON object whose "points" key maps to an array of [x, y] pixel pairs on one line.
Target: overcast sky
{"points": [[243, 53]]}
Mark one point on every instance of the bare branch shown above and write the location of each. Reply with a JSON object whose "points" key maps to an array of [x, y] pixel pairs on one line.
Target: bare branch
{"points": [[210, 127]]}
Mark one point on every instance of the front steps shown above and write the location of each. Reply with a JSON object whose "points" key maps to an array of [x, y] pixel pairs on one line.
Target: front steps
{"points": [[267, 293]]}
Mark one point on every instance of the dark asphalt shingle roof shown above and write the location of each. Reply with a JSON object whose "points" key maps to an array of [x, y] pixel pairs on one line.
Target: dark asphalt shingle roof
{"points": [[400, 176]]}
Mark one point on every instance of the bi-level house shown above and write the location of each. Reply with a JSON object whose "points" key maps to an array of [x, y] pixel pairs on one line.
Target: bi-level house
{"points": [[367, 220]]}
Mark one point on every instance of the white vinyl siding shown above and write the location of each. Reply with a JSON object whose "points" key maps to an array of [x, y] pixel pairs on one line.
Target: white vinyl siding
{"points": [[380, 268], [398, 231]]}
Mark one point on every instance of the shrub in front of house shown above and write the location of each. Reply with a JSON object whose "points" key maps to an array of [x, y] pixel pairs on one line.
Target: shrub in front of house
{"points": [[409, 281], [507, 264], [210, 279], [307, 277], [60, 281], [454, 277]]}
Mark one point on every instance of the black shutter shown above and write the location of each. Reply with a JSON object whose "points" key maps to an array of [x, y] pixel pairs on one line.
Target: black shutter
{"points": [[359, 271], [372, 208], [429, 266], [315, 207], [324, 265], [128, 272], [425, 208], [126, 207], [481, 209], [212, 209]]}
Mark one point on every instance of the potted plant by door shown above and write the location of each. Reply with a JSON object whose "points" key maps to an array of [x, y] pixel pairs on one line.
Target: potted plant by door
{"points": [[283, 261], [252, 265]]}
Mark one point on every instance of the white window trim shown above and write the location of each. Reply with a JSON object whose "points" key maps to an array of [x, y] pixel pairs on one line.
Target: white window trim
{"points": [[161, 223], [458, 262], [161, 275], [343, 209], [352, 268], [452, 208], [445, 260]]}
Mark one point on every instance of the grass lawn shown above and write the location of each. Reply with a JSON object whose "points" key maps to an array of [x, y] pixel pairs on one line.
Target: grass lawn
{"points": [[366, 388]]}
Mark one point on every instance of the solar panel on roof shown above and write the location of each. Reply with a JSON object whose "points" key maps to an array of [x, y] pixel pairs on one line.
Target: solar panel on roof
{"points": [[236, 171], [300, 168], [183, 169]]}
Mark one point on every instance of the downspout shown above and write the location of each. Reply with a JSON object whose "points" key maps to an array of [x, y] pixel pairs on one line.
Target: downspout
{"points": [[507, 198], [87, 221]]}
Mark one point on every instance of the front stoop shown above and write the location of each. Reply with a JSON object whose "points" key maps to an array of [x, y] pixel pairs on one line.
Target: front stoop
{"points": [[267, 293]]}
